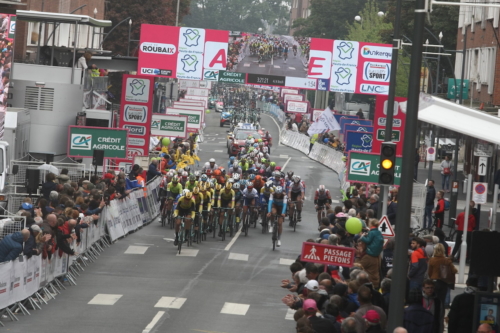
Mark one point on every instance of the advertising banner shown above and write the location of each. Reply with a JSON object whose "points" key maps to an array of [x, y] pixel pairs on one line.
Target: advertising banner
{"points": [[316, 113], [364, 168], [200, 109], [198, 92], [194, 117], [83, 140], [196, 98], [231, 77], [181, 52], [289, 91], [296, 106], [292, 97], [135, 113], [169, 125], [357, 128], [327, 254], [184, 84], [358, 141], [353, 121], [398, 123]]}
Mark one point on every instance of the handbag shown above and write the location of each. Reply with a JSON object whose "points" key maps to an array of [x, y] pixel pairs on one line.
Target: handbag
{"points": [[446, 171], [446, 274]]}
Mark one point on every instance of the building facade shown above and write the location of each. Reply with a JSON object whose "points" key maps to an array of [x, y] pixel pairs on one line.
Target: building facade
{"points": [[299, 9]]}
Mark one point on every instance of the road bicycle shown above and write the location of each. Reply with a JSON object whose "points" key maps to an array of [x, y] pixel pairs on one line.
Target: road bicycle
{"points": [[198, 227], [215, 221], [294, 215], [180, 235], [254, 215], [203, 225], [275, 230], [226, 223], [322, 211]]}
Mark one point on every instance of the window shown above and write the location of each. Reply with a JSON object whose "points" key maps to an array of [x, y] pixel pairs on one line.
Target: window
{"points": [[33, 33]]}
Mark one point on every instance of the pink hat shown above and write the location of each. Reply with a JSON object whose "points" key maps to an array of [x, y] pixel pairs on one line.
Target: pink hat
{"points": [[310, 304], [341, 215], [372, 316]]}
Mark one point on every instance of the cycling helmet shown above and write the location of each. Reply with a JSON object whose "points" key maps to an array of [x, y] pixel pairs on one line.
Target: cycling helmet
{"points": [[236, 177], [261, 144], [230, 180], [184, 174], [255, 145], [321, 188], [236, 186], [196, 190], [228, 186], [217, 173], [223, 171], [175, 179], [264, 160], [180, 171], [251, 177], [192, 177], [276, 174], [249, 185], [189, 195], [273, 164], [290, 174], [197, 174], [184, 192], [170, 174], [247, 144], [212, 160], [187, 168], [258, 178], [218, 187], [278, 168], [209, 172], [278, 190], [231, 159], [264, 149], [203, 178], [212, 185], [296, 179], [260, 140], [262, 171]]}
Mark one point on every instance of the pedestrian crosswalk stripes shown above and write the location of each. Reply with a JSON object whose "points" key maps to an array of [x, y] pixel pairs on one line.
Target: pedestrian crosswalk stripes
{"points": [[170, 302], [136, 249], [105, 299], [235, 308]]}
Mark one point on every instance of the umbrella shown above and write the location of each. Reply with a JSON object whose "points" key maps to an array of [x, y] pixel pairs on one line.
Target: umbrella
{"points": [[49, 168]]}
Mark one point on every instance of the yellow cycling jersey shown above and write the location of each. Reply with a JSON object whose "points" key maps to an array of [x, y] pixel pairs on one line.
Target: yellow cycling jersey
{"points": [[224, 196], [265, 192], [186, 204], [198, 198]]}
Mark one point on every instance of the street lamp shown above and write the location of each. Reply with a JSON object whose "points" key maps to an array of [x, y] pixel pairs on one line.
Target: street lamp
{"points": [[359, 19], [259, 30], [95, 12], [439, 60], [129, 30], [381, 14]]}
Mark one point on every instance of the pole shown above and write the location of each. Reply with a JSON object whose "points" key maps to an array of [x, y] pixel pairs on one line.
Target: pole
{"points": [[437, 72], [39, 37], [433, 142], [177, 15], [128, 44], [460, 99], [494, 213], [74, 53], [385, 194], [454, 194], [398, 289], [463, 246]]}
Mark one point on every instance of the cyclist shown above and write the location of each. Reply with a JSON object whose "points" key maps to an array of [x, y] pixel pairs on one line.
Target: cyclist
{"points": [[249, 195], [207, 203], [265, 193], [191, 183], [322, 198], [231, 162], [277, 203], [258, 183], [198, 199], [215, 198], [294, 47], [285, 52], [210, 165], [277, 179], [226, 200], [237, 200], [219, 177], [174, 188], [296, 192], [184, 178], [185, 208], [270, 169]]}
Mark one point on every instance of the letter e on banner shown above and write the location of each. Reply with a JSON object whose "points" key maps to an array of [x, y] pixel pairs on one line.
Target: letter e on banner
{"points": [[215, 55], [319, 64]]}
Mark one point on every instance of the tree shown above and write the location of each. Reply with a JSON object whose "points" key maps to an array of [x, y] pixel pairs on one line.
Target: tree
{"points": [[239, 15], [328, 19], [371, 27], [162, 12]]}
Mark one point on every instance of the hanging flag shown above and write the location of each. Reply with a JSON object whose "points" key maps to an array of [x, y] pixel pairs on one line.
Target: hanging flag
{"points": [[326, 122]]}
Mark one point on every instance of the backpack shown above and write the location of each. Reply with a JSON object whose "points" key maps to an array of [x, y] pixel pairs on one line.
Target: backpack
{"points": [[447, 204]]}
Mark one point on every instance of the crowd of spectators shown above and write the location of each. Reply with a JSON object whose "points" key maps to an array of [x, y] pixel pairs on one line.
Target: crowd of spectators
{"points": [[356, 300]]}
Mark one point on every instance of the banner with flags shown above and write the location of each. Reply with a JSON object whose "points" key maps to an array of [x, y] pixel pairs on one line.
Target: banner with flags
{"points": [[326, 122]]}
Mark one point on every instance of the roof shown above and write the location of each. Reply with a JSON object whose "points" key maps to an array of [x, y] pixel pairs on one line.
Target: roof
{"points": [[458, 118], [35, 16]]}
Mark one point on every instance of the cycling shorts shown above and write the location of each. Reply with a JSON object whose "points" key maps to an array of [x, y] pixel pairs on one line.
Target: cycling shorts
{"points": [[225, 203], [278, 207], [248, 201], [322, 203], [184, 212], [294, 196]]}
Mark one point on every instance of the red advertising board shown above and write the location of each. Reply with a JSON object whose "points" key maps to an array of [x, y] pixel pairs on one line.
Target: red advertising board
{"points": [[327, 254], [352, 67], [398, 123], [135, 113], [181, 52]]}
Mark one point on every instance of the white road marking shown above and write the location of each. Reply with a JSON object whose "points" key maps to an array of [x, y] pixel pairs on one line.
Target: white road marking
{"points": [[292, 68], [276, 66], [105, 299], [223, 142], [246, 65], [335, 201], [287, 262], [235, 308], [286, 163], [311, 167], [144, 244], [170, 302], [218, 151], [228, 246], [283, 156], [262, 65], [136, 249], [153, 322], [188, 253], [169, 239], [289, 314], [238, 256]]}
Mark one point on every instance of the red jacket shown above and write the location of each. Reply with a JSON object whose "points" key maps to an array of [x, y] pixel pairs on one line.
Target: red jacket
{"points": [[471, 224], [439, 207]]}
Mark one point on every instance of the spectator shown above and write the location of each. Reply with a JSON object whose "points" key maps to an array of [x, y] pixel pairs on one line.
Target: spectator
{"points": [[441, 237], [153, 170], [363, 280], [49, 185], [349, 325], [436, 264], [400, 330], [460, 222], [332, 313], [385, 287], [11, 245], [65, 237], [461, 315], [374, 205], [484, 328], [360, 114], [446, 172], [418, 264], [372, 322], [392, 208], [439, 211], [387, 256], [365, 301], [30, 246], [320, 325], [371, 260], [431, 303], [63, 177], [429, 204], [416, 318]]}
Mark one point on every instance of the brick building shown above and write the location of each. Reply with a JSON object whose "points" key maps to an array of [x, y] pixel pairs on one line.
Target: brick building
{"points": [[27, 33], [300, 9], [479, 27]]}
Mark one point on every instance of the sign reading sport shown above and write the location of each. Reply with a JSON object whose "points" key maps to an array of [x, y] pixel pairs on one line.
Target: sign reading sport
{"points": [[364, 168], [169, 125], [84, 140]]}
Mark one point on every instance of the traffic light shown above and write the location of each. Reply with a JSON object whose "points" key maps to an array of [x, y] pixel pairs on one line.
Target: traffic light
{"points": [[387, 163]]}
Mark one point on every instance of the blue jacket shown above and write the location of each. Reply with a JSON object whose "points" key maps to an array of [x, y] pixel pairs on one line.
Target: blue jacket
{"points": [[11, 246], [374, 242], [152, 172]]}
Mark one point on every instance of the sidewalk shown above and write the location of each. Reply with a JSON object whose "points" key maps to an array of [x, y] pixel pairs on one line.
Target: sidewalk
{"points": [[461, 202]]}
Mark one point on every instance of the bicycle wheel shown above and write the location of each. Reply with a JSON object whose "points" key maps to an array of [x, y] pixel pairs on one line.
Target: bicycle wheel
{"points": [[181, 238], [294, 222], [275, 234], [255, 217], [171, 220], [198, 232], [231, 226], [224, 227], [215, 224], [264, 224]]}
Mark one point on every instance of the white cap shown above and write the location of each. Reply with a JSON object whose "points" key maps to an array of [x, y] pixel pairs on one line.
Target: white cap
{"points": [[312, 285]]}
